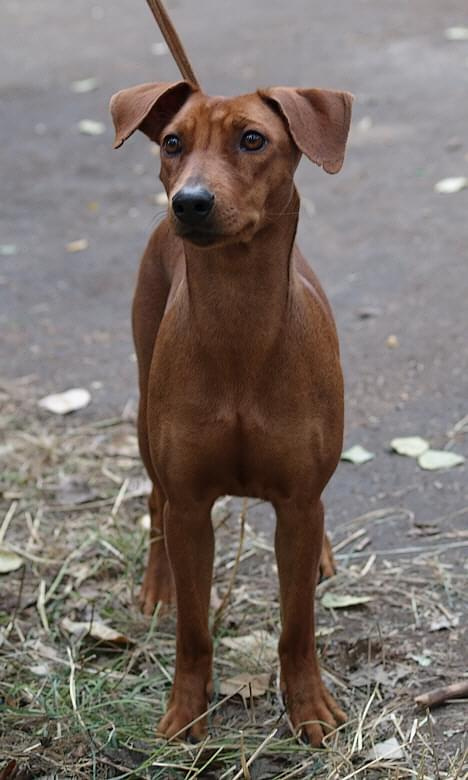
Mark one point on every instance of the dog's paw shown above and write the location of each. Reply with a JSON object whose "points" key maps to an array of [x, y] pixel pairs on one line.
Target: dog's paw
{"points": [[178, 720], [315, 715], [156, 590]]}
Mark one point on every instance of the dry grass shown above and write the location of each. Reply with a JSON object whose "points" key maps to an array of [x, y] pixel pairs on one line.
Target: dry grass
{"points": [[75, 707]]}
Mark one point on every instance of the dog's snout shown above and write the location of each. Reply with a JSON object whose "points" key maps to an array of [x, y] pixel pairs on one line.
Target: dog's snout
{"points": [[192, 204]]}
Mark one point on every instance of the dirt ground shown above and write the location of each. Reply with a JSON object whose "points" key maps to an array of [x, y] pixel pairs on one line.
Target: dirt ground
{"points": [[393, 256]]}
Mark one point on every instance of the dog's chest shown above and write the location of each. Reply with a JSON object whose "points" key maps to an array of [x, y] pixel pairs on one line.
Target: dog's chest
{"points": [[233, 432]]}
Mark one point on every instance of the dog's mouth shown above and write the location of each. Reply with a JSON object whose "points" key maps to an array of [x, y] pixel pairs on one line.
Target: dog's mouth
{"points": [[208, 236], [200, 235]]}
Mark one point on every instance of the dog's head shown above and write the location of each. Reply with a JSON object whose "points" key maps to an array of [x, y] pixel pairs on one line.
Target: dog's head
{"points": [[228, 163]]}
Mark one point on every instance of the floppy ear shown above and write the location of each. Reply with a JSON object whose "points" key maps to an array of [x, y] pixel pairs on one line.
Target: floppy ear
{"points": [[318, 121], [147, 107]]}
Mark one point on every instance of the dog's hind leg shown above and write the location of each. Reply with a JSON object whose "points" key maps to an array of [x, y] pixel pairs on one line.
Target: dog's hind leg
{"points": [[149, 304]]}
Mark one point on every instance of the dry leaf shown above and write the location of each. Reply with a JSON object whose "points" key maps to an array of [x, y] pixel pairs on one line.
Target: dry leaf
{"points": [[442, 623], [8, 249], [411, 446], [84, 85], [91, 127], [357, 455], [73, 490], [456, 33], [431, 460], [42, 670], [259, 645], [422, 660], [66, 402], [96, 630], [9, 561], [254, 685], [77, 246], [390, 748], [451, 185], [331, 600]]}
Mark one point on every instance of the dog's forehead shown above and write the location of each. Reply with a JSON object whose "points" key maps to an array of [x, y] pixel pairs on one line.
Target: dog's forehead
{"points": [[228, 110]]}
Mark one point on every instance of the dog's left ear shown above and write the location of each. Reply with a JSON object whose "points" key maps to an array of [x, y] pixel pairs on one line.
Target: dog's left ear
{"points": [[318, 121]]}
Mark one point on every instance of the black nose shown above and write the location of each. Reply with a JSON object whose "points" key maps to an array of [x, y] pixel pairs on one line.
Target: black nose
{"points": [[192, 205]]}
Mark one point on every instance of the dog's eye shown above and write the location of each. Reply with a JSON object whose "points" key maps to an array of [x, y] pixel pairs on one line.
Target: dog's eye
{"points": [[252, 141], [172, 145]]}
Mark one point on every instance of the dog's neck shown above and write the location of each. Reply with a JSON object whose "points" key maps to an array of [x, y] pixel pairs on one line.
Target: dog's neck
{"points": [[238, 294]]}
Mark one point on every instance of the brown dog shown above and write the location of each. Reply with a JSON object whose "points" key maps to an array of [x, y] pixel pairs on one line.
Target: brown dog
{"points": [[239, 371]]}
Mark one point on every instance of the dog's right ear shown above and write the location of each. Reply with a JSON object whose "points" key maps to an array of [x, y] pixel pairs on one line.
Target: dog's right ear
{"points": [[147, 107]]}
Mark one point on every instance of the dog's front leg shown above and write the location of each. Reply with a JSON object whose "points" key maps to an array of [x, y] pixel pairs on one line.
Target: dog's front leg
{"points": [[298, 543], [190, 548]]}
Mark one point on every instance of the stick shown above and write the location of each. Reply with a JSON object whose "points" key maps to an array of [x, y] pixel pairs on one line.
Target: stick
{"points": [[220, 611], [173, 41], [440, 695]]}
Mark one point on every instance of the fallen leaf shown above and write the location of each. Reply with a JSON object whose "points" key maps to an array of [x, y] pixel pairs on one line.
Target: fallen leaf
{"points": [[91, 127], [77, 246], [259, 645], [411, 446], [456, 33], [254, 685], [9, 561], [431, 460], [8, 249], [392, 341], [331, 600], [73, 490], [387, 677], [422, 660], [442, 623], [357, 455], [96, 630], [66, 402], [451, 185], [42, 670], [390, 748], [84, 85]]}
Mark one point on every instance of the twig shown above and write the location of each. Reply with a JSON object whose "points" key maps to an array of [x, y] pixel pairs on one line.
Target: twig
{"points": [[220, 611], [438, 696], [7, 520]]}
